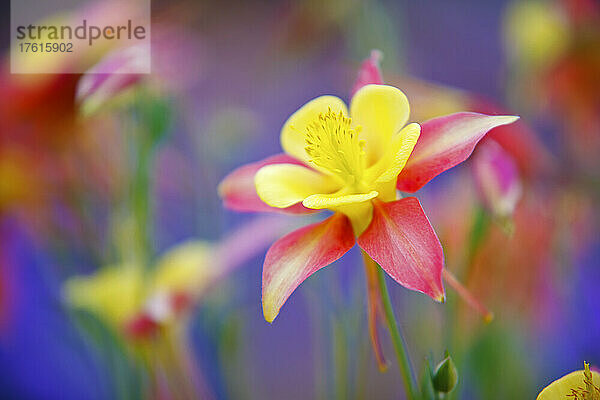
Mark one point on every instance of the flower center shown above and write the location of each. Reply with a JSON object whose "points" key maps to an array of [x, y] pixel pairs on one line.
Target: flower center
{"points": [[333, 145]]}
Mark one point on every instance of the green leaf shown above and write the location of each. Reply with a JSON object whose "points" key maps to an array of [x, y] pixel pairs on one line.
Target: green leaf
{"points": [[427, 390]]}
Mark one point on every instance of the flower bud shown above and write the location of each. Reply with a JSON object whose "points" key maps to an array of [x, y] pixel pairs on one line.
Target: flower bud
{"points": [[445, 376]]}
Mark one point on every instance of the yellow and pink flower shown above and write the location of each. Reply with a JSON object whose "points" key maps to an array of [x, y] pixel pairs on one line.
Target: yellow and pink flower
{"points": [[352, 161]]}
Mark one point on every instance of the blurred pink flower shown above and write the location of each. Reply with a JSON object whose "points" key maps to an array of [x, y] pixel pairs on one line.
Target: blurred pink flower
{"points": [[497, 179]]}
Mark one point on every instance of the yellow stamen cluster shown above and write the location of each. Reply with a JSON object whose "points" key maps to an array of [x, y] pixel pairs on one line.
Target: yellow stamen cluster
{"points": [[333, 145]]}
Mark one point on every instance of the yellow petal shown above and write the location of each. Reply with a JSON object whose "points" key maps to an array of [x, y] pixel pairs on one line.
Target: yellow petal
{"points": [[112, 293], [283, 185], [187, 268], [294, 129], [331, 201], [394, 159], [382, 111]]}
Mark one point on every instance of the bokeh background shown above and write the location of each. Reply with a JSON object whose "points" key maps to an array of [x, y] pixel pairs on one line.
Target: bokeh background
{"points": [[78, 185]]}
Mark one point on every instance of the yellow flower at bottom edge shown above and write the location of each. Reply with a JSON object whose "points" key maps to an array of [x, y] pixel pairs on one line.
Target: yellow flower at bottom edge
{"points": [[578, 385]]}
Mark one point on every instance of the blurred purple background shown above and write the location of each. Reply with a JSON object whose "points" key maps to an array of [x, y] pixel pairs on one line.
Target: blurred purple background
{"points": [[245, 67]]}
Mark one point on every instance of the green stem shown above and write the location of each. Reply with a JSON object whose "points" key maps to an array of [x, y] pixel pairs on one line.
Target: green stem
{"points": [[397, 340], [141, 197], [141, 182], [478, 234]]}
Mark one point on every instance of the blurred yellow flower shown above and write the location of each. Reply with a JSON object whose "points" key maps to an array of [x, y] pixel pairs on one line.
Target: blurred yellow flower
{"points": [[19, 185], [536, 33], [136, 301], [114, 293], [186, 268], [118, 294]]}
